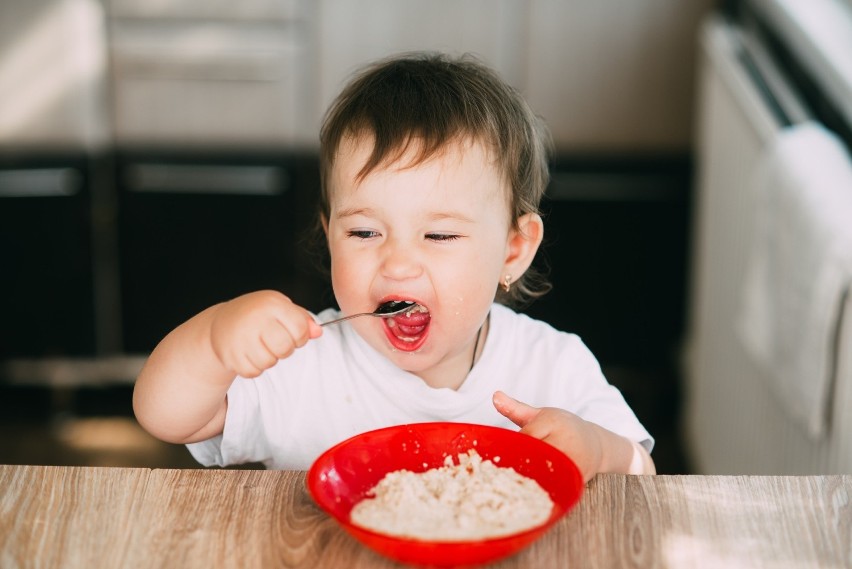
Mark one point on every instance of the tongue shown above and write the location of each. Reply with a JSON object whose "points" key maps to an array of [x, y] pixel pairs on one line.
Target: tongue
{"points": [[411, 325]]}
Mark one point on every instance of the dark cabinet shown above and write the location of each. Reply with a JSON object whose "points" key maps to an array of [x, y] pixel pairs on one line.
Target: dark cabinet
{"points": [[197, 230], [46, 287], [104, 256], [616, 233]]}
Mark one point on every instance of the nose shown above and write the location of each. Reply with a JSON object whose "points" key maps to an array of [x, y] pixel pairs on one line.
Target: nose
{"points": [[400, 260]]}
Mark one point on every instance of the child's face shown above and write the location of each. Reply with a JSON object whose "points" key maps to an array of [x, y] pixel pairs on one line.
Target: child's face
{"points": [[438, 233]]}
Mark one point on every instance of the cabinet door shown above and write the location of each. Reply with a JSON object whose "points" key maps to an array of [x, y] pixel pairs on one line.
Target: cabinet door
{"points": [[615, 245], [46, 288], [198, 230], [611, 75], [354, 33], [209, 84]]}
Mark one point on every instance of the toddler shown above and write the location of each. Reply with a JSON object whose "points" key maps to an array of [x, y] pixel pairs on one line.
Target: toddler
{"points": [[432, 171]]}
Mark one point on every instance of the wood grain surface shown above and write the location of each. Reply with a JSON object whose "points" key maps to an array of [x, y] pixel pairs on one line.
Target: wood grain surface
{"points": [[127, 517]]}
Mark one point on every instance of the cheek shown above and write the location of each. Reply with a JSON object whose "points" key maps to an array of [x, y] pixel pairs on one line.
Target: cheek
{"points": [[470, 285], [344, 276]]}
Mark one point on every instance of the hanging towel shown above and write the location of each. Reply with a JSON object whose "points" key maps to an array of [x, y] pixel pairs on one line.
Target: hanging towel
{"points": [[800, 268]]}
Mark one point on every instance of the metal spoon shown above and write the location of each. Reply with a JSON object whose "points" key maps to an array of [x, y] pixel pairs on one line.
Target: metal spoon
{"points": [[384, 310]]}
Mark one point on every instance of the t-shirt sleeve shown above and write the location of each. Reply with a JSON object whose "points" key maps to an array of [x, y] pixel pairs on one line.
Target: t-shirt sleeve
{"points": [[609, 410], [209, 452], [243, 439], [599, 402]]}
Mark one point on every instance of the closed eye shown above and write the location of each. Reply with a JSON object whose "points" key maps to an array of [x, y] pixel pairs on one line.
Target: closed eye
{"points": [[362, 233], [441, 237]]}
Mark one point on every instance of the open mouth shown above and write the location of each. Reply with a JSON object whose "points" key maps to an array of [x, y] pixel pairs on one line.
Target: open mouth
{"points": [[408, 330]]}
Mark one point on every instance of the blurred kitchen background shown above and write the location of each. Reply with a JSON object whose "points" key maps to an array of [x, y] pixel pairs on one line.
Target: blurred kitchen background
{"points": [[147, 147]]}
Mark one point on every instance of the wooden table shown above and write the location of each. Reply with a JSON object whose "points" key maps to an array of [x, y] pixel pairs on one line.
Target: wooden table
{"points": [[129, 517]]}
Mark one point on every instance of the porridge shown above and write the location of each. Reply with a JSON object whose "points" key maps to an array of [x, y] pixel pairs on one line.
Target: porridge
{"points": [[474, 499]]}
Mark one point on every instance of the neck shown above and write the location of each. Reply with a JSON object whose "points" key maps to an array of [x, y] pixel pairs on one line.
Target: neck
{"points": [[455, 377], [476, 345]]}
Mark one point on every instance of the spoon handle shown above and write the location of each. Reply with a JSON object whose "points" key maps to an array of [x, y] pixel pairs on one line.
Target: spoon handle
{"points": [[386, 310], [336, 320]]}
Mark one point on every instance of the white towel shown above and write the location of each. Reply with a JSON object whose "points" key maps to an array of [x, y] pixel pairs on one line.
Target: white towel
{"points": [[800, 268]]}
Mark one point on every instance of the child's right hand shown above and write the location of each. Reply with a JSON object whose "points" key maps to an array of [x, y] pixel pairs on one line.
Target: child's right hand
{"points": [[250, 333]]}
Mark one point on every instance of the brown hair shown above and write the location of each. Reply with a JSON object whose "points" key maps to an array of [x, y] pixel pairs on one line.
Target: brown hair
{"points": [[436, 100]]}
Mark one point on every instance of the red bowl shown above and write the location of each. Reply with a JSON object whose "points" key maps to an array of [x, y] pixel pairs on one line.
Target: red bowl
{"points": [[342, 475]]}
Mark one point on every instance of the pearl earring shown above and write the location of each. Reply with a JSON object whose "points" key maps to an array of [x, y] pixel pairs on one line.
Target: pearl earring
{"points": [[507, 283]]}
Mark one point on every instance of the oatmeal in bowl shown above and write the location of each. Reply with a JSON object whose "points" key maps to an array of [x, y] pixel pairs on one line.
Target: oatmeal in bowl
{"points": [[445, 494]]}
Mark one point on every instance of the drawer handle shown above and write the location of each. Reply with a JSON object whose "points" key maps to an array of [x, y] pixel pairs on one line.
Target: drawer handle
{"points": [[39, 182], [207, 179]]}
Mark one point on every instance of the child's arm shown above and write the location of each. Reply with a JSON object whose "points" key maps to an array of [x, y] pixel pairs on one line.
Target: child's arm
{"points": [[179, 396], [592, 448]]}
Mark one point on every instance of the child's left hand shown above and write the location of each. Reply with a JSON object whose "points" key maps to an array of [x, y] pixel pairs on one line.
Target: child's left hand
{"points": [[592, 448]]}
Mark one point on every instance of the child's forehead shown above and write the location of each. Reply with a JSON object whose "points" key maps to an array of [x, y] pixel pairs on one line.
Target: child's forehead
{"points": [[461, 172]]}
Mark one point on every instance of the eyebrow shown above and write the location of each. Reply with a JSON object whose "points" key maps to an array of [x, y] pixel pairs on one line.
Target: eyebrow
{"points": [[441, 215], [434, 216], [350, 211]]}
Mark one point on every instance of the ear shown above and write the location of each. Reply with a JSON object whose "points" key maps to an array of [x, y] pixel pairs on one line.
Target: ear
{"points": [[522, 245]]}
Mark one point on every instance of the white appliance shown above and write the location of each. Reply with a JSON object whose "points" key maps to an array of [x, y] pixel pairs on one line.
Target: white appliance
{"points": [[735, 423]]}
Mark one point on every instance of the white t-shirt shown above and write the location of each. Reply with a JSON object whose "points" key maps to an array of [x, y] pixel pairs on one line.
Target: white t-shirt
{"points": [[338, 386]]}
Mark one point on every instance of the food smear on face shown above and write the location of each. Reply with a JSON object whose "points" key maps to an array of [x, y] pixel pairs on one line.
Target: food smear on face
{"points": [[474, 499]]}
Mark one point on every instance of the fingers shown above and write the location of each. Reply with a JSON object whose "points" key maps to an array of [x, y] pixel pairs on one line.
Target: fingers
{"points": [[538, 422], [314, 329], [519, 413], [279, 337], [286, 333], [251, 333], [256, 361]]}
